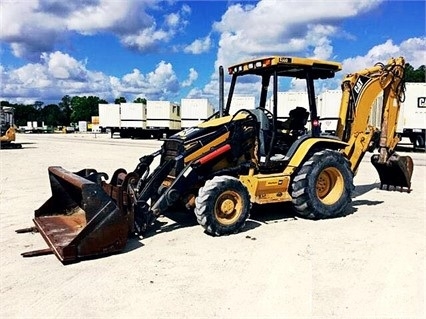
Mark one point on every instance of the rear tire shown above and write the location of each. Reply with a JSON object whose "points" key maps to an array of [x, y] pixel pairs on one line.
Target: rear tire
{"points": [[222, 206], [323, 187], [418, 141]]}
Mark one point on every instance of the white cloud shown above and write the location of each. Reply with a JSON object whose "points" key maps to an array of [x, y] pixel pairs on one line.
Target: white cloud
{"points": [[199, 46], [63, 66], [102, 15], [172, 20], [47, 23], [304, 30], [413, 50], [193, 75], [164, 79], [146, 39], [59, 74]]}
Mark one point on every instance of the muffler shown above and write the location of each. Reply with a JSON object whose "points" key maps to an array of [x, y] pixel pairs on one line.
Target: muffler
{"points": [[395, 173], [80, 220]]}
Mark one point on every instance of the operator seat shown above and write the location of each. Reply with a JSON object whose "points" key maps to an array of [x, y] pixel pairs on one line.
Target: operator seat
{"points": [[290, 130], [264, 130], [296, 123]]}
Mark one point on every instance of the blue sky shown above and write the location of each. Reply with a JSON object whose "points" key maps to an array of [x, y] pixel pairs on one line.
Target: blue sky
{"points": [[168, 50]]}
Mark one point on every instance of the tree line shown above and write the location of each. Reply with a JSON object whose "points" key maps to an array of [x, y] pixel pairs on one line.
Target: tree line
{"points": [[82, 108]]}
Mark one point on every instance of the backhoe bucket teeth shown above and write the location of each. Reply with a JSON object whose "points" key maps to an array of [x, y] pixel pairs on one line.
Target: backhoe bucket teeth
{"points": [[395, 173], [80, 220]]}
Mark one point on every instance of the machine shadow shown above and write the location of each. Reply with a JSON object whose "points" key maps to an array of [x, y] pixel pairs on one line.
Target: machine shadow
{"points": [[179, 219], [273, 213], [259, 215], [363, 189]]}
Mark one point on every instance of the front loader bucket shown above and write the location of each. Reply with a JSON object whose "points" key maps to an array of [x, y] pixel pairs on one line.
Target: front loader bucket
{"points": [[395, 173], [80, 220]]}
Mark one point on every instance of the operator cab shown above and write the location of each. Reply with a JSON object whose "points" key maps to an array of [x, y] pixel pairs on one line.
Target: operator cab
{"points": [[275, 136]]}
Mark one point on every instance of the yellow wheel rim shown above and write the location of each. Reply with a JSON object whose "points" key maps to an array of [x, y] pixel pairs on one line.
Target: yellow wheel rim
{"points": [[228, 207], [330, 185]]}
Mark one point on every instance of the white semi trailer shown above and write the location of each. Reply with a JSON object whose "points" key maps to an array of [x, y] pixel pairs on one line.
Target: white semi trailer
{"points": [[412, 116], [195, 111], [137, 120]]}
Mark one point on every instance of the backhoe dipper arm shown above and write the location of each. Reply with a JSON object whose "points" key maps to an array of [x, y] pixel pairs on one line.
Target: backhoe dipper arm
{"points": [[359, 93]]}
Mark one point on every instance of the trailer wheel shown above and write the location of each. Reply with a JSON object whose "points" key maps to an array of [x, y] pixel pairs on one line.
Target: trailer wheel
{"points": [[418, 141], [323, 187], [222, 206]]}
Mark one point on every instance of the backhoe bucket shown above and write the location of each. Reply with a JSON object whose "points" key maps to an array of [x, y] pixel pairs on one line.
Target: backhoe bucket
{"points": [[80, 220], [395, 173]]}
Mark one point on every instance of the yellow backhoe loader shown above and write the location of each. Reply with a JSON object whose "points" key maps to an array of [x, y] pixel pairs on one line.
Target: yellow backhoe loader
{"points": [[8, 129], [221, 167]]}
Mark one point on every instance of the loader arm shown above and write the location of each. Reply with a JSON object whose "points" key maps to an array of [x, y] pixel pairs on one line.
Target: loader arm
{"points": [[360, 91]]}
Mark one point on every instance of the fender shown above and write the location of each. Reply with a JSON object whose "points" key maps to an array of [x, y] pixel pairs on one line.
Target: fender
{"points": [[304, 146]]}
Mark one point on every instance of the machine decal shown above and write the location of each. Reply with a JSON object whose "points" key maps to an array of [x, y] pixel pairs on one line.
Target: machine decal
{"points": [[360, 83]]}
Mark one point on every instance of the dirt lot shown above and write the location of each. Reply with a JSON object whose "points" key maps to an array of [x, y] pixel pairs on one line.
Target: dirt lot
{"points": [[369, 264]]}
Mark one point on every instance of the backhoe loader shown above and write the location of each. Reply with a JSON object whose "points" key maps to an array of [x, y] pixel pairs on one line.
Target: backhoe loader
{"points": [[8, 129], [219, 168]]}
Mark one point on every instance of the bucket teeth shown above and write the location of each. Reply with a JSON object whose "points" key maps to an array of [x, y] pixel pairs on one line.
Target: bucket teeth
{"points": [[395, 174]]}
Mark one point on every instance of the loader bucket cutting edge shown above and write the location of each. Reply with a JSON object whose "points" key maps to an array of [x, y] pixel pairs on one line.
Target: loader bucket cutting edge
{"points": [[395, 173], [80, 220]]}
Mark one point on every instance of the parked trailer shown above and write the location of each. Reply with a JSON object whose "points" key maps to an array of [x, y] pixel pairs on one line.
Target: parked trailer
{"points": [[287, 101], [328, 104], [132, 120], [242, 102], [412, 116], [411, 120], [82, 126], [194, 111], [163, 118], [109, 118]]}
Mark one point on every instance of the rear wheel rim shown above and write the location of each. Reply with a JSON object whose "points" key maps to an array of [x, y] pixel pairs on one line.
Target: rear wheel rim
{"points": [[228, 207], [330, 185]]}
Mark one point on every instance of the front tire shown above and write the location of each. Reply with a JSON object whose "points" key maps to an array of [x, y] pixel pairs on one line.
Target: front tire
{"points": [[222, 205], [323, 187]]}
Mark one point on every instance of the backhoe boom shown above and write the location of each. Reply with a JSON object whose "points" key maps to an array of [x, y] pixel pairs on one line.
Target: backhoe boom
{"points": [[360, 90]]}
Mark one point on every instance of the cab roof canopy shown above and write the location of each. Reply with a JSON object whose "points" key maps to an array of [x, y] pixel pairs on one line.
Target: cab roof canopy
{"points": [[287, 66]]}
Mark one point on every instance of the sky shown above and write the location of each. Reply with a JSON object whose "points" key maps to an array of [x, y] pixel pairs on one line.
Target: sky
{"points": [[169, 50]]}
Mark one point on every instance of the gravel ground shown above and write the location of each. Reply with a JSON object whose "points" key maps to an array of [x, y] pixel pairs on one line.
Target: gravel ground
{"points": [[369, 264]]}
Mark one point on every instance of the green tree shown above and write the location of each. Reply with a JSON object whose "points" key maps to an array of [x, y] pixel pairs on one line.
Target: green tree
{"points": [[38, 105], [51, 115], [65, 107], [25, 113], [140, 100], [120, 100], [83, 108], [415, 75]]}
